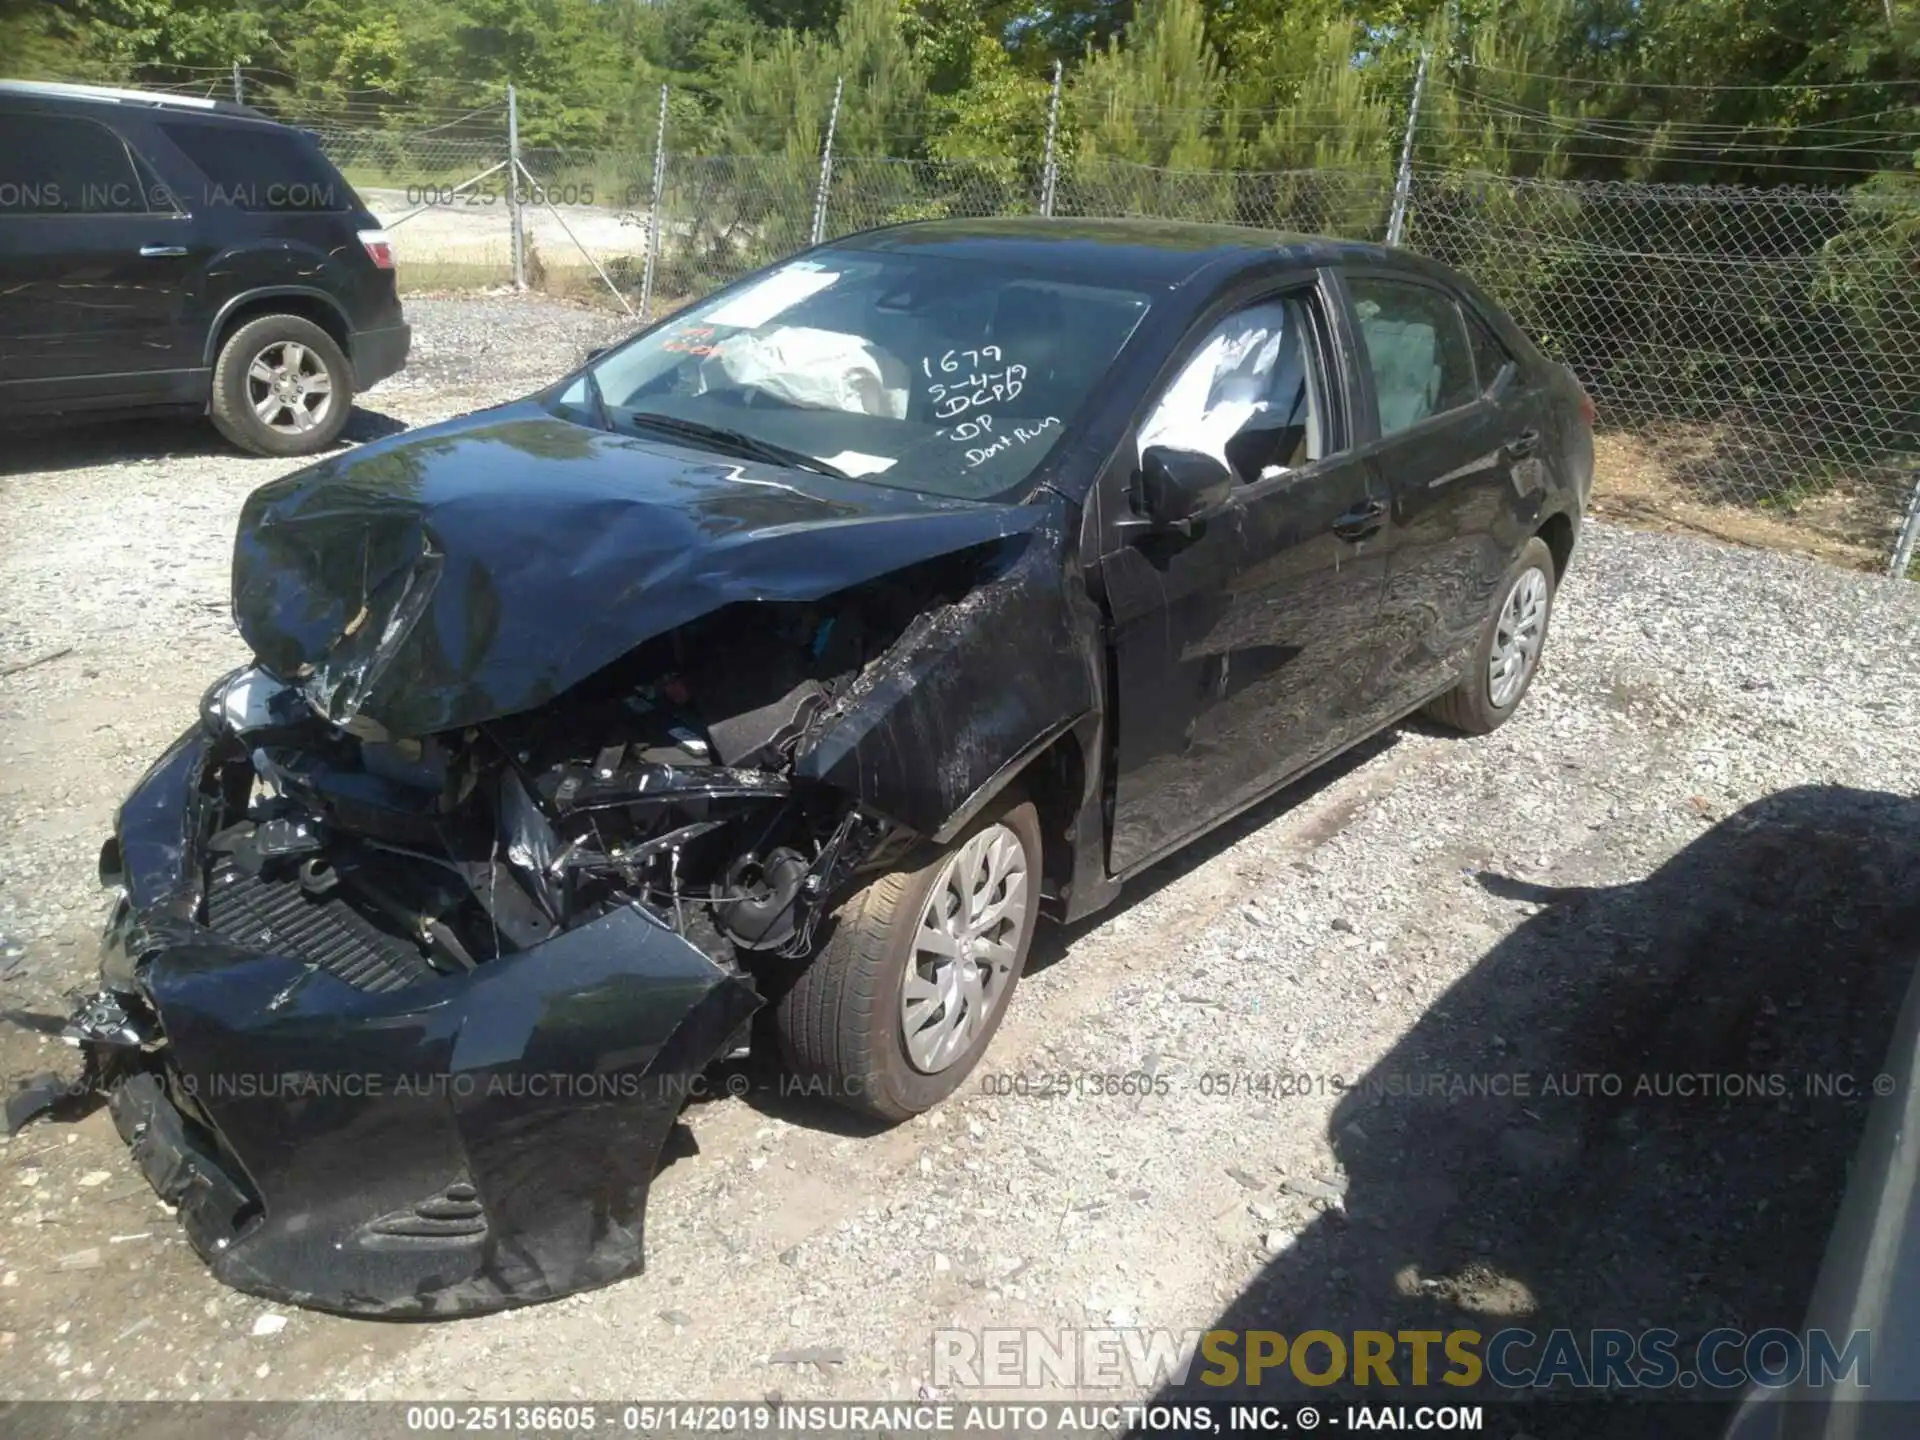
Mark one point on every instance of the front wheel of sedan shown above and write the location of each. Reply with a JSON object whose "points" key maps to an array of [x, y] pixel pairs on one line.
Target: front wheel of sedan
{"points": [[1508, 654], [902, 1000]]}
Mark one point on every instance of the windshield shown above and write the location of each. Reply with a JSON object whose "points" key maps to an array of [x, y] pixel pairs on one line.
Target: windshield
{"points": [[950, 377]]}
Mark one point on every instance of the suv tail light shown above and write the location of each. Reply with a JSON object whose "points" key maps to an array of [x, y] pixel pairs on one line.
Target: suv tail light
{"points": [[379, 247]]}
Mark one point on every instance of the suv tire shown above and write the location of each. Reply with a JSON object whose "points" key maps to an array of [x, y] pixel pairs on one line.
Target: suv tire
{"points": [[281, 387]]}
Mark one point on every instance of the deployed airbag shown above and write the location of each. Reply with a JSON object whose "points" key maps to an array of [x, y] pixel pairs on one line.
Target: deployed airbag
{"points": [[816, 369], [1224, 388]]}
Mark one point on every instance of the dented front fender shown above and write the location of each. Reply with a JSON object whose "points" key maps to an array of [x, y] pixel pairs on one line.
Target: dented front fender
{"points": [[931, 731]]}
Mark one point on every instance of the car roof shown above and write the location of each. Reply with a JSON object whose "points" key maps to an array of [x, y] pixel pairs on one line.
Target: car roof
{"points": [[111, 95], [1149, 253]]}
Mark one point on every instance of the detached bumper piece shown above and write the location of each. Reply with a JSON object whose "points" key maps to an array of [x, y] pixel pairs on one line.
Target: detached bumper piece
{"points": [[348, 1131]]}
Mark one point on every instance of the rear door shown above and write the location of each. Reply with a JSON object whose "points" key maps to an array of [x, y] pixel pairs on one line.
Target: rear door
{"points": [[95, 260], [1457, 448], [1241, 654]]}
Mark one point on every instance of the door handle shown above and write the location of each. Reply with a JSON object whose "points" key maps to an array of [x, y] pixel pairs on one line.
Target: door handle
{"points": [[1362, 521], [1523, 444], [156, 252]]}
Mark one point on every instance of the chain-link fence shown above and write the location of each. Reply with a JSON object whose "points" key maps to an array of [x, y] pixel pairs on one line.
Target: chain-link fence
{"points": [[1749, 348], [1754, 354]]}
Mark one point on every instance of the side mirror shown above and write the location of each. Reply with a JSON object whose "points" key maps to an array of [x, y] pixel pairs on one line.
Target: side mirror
{"points": [[1178, 488]]}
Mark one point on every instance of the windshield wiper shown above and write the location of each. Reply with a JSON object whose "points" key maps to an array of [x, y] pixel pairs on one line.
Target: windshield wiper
{"points": [[735, 442]]}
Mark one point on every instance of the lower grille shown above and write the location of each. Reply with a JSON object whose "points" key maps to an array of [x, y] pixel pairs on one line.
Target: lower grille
{"points": [[280, 917]]}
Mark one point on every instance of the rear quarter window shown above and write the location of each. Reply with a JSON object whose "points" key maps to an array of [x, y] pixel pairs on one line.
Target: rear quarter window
{"points": [[254, 167]]}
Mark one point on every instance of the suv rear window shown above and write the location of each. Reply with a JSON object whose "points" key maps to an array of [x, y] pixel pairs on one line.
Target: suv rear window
{"points": [[53, 165], [253, 167]]}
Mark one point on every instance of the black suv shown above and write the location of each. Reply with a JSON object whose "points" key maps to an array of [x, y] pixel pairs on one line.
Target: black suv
{"points": [[158, 251]]}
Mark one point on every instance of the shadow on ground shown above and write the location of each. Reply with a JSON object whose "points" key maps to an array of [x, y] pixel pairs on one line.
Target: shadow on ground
{"points": [[1774, 949], [80, 442]]}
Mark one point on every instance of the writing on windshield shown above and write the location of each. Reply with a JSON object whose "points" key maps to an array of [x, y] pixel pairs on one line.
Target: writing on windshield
{"points": [[940, 374]]}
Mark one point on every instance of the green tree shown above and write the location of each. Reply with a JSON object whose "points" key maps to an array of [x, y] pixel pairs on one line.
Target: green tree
{"points": [[779, 94], [1156, 94], [1000, 112]]}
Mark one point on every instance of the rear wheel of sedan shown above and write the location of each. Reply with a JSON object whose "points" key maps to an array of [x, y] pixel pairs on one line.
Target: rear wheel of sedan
{"points": [[1508, 654], [281, 387], [901, 1002]]}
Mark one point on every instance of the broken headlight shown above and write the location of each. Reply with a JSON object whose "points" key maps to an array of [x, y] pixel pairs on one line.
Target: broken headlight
{"points": [[249, 699]]}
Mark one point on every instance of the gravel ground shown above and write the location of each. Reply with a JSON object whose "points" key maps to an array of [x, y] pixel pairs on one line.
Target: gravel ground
{"points": [[1695, 851]]}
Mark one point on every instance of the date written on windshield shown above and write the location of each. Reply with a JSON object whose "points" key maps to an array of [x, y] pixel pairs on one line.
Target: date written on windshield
{"points": [[971, 386]]}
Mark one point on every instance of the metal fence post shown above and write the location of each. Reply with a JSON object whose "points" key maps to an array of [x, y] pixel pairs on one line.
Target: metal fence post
{"points": [[826, 167], [654, 222], [516, 222], [1049, 167], [1909, 533], [1403, 186], [239, 87]]}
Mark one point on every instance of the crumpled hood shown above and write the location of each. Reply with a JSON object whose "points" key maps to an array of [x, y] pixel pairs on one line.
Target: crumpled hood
{"points": [[481, 567]]}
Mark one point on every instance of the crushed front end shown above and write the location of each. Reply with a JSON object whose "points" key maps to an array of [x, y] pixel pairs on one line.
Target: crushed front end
{"points": [[558, 748], [401, 1025]]}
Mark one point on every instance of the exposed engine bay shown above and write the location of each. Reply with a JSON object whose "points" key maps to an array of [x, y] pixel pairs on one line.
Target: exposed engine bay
{"points": [[662, 783]]}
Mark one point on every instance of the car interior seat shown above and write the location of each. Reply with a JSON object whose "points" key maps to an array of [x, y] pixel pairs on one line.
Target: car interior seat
{"points": [[1280, 435], [1406, 368]]}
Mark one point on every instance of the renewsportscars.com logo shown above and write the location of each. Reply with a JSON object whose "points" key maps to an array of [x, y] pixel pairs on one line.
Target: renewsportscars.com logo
{"points": [[1513, 1358]]}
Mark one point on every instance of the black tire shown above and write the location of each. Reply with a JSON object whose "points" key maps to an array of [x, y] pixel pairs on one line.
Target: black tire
{"points": [[841, 1025], [1469, 707], [232, 407]]}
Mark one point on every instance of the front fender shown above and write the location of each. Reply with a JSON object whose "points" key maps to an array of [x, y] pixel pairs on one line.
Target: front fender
{"points": [[934, 728]]}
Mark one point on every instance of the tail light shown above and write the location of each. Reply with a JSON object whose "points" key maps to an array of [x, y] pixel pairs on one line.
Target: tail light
{"points": [[379, 247], [1587, 413]]}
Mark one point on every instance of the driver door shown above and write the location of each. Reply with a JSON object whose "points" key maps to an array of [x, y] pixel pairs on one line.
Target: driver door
{"points": [[1243, 653]]}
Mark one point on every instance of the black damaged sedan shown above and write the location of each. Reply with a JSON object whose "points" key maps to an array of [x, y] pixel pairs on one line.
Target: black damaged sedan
{"points": [[765, 682]]}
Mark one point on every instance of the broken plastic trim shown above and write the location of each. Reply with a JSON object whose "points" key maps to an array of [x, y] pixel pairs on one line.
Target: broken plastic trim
{"points": [[548, 1077]]}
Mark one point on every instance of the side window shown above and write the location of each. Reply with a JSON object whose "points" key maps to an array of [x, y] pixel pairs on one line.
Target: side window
{"points": [[260, 167], [1417, 349], [58, 165], [1251, 396], [1490, 357]]}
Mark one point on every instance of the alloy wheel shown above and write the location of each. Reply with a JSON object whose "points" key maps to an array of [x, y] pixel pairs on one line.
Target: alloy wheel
{"points": [[1517, 637], [289, 388], [964, 948]]}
